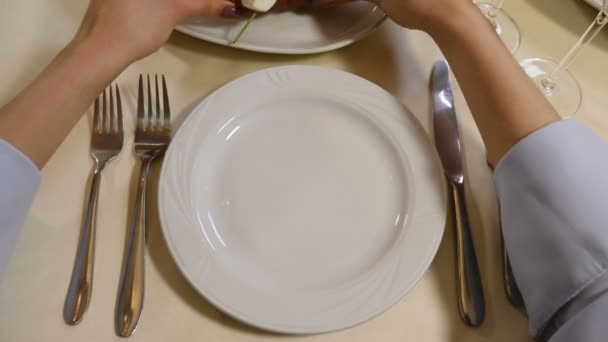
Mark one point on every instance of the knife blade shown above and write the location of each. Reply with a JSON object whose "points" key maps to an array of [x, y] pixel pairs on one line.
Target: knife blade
{"points": [[447, 141]]}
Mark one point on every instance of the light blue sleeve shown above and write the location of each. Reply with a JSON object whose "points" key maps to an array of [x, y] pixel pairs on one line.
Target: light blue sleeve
{"points": [[553, 192], [19, 180], [589, 325]]}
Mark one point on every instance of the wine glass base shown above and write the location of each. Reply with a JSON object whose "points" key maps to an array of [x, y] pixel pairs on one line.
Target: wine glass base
{"points": [[506, 28], [566, 96]]}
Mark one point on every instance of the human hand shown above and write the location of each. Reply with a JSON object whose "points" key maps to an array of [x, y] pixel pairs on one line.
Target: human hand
{"points": [[134, 29], [293, 5], [413, 14]]}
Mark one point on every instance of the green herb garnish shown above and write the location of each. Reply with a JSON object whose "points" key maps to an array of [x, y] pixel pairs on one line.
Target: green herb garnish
{"points": [[238, 36]]}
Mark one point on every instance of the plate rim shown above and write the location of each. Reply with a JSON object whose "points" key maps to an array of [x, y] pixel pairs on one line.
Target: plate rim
{"points": [[186, 29], [425, 259], [595, 3]]}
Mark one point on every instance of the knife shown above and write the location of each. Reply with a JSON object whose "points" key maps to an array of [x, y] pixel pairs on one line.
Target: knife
{"points": [[447, 141]]}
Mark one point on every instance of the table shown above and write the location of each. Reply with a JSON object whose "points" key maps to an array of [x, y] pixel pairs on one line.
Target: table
{"points": [[33, 291]]}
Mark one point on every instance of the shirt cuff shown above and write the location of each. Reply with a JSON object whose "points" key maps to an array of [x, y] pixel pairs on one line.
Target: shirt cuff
{"points": [[552, 190], [19, 180]]}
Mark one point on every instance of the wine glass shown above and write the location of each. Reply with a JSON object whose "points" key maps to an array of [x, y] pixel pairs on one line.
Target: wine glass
{"points": [[506, 28], [555, 81]]}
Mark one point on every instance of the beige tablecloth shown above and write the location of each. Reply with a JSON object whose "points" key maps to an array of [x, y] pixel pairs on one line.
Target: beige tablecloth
{"points": [[32, 293]]}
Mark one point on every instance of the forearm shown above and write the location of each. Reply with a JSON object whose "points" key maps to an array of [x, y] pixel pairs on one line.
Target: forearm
{"points": [[40, 117], [505, 104]]}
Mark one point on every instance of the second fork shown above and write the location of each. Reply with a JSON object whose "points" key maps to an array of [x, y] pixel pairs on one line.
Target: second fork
{"points": [[152, 136]]}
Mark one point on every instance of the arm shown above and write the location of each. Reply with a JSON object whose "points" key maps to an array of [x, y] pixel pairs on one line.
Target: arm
{"points": [[113, 34], [505, 104], [552, 192], [552, 211], [39, 118], [550, 179]]}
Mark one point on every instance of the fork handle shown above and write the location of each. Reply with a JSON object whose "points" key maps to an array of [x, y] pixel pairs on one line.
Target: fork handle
{"points": [[79, 291], [470, 291], [131, 289], [511, 289]]}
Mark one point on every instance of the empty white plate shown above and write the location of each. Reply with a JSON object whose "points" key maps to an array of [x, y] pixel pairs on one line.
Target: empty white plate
{"points": [[291, 32], [302, 200]]}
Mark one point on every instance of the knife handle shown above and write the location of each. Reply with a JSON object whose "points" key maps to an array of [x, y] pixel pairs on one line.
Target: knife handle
{"points": [[470, 291]]}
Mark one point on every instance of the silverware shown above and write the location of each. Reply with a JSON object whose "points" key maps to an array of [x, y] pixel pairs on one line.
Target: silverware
{"points": [[447, 141], [106, 143], [152, 136], [511, 289]]}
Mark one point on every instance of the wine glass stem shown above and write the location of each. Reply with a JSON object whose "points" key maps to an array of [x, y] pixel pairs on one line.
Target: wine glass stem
{"points": [[551, 81]]}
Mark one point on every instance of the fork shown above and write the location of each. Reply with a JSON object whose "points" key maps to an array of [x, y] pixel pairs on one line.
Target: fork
{"points": [[106, 143], [152, 136]]}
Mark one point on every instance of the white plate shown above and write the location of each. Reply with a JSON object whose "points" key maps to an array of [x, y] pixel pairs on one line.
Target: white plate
{"points": [[302, 200], [595, 3], [290, 32]]}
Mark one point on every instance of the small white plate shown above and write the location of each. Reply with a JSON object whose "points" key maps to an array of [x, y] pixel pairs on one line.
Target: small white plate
{"points": [[290, 32], [595, 3], [302, 199]]}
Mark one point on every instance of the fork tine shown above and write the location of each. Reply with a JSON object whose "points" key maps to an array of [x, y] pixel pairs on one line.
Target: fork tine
{"points": [[141, 116], [96, 120], [111, 119], [167, 109], [104, 112], [150, 113], [119, 127], [158, 123]]}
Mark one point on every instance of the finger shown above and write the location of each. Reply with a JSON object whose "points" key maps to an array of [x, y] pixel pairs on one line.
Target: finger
{"points": [[208, 8], [235, 12]]}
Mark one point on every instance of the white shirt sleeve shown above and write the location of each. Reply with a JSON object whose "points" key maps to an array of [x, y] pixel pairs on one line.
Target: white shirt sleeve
{"points": [[553, 192], [19, 180]]}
